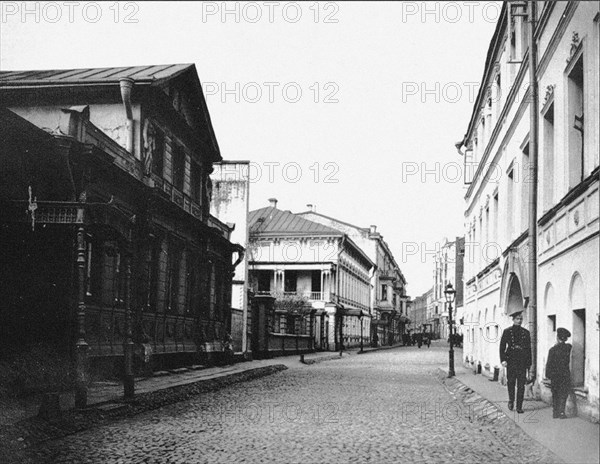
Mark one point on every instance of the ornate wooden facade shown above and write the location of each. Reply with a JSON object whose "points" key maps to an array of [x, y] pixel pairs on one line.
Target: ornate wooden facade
{"points": [[120, 194]]}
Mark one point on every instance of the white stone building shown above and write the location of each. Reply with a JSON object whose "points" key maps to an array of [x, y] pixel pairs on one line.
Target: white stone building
{"points": [[230, 204], [497, 210], [389, 300], [291, 256]]}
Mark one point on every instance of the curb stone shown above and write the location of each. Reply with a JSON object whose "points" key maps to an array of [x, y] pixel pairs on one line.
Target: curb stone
{"points": [[505, 431]]}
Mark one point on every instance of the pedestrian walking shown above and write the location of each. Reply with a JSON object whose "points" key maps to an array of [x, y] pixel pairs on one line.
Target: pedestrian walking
{"points": [[515, 355], [557, 370], [419, 339]]}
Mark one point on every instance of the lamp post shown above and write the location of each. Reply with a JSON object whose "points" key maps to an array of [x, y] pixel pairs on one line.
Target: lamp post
{"points": [[449, 293]]}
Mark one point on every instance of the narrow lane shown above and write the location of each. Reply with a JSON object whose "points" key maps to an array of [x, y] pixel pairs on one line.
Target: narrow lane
{"points": [[378, 407]]}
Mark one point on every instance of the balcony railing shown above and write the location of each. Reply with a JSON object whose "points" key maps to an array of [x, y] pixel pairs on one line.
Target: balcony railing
{"points": [[316, 296]]}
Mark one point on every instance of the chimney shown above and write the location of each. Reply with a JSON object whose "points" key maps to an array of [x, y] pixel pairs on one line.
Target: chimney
{"points": [[126, 84], [311, 207], [373, 229], [273, 202]]}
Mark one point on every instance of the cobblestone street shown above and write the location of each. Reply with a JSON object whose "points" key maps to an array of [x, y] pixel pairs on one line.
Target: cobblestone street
{"points": [[385, 406]]}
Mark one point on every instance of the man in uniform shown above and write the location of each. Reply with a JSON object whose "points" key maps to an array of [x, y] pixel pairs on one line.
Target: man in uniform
{"points": [[515, 355], [557, 370]]}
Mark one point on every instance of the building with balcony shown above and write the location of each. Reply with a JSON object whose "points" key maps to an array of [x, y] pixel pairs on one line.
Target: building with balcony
{"points": [[118, 264], [318, 270], [513, 195], [389, 299]]}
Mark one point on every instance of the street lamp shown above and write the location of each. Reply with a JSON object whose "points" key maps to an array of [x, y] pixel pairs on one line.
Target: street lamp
{"points": [[450, 293]]}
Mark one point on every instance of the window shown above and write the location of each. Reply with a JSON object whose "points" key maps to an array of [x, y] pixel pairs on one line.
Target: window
{"points": [[315, 284], [178, 167], [196, 182], [158, 157], [173, 277], [487, 225], [384, 295], [194, 284], [495, 219], [510, 205], [527, 178], [575, 122], [548, 158], [264, 281], [290, 281]]}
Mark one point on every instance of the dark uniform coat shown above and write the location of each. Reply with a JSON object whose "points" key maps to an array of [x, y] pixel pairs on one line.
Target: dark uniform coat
{"points": [[515, 347], [557, 366], [557, 370]]}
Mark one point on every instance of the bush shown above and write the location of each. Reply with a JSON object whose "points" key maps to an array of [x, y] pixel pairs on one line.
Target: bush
{"points": [[40, 368], [295, 305]]}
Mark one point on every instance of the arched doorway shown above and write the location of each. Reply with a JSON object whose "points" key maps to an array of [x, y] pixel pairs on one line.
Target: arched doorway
{"points": [[514, 300]]}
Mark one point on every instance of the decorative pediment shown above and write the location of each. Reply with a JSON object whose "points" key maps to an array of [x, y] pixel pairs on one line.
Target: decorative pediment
{"points": [[575, 43], [549, 93]]}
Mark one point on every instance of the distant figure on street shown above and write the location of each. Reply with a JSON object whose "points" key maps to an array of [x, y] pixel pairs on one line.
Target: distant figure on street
{"points": [[515, 355], [557, 370], [419, 339]]}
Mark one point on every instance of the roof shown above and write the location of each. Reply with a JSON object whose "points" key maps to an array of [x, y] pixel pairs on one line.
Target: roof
{"points": [[15, 85], [272, 221], [363, 229], [140, 74]]}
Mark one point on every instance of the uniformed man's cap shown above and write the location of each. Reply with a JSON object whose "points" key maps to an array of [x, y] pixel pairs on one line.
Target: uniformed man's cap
{"points": [[562, 333], [518, 313]]}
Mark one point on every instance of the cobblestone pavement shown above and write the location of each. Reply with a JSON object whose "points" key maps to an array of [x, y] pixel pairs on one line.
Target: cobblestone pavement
{"points": [[379, 407]]}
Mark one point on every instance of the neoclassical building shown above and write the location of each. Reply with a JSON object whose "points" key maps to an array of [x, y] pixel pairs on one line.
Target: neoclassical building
{"points": [[514, 195], [296, 260], [389, 299]]}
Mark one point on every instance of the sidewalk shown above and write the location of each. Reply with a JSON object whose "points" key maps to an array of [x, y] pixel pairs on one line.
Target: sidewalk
{"points": [[104, 395], [574, 440]]}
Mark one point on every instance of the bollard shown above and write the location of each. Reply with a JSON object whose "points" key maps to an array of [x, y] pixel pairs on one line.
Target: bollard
{"points": [[496, 374]]}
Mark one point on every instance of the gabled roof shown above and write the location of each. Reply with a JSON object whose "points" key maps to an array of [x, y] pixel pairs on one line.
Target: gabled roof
{"points": [[52, 83], [86, 76], [272, 221]]}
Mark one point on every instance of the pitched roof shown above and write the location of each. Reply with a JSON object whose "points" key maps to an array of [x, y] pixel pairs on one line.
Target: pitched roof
{"points": [[140, 74], [272, 221]]}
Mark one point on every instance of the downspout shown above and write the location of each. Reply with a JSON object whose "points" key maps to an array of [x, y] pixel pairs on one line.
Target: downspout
{"points": [[126, 84], [533, 157]]}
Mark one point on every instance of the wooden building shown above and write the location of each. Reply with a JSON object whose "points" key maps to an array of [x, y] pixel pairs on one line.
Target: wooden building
{"points": [[110, 257]]}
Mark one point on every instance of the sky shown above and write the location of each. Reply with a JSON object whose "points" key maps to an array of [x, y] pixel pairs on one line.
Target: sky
{"points": [[352, 107]]}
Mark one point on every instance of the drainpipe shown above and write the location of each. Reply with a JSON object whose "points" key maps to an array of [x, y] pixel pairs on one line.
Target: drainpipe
{"points": [[533, 158], [126, 84]]}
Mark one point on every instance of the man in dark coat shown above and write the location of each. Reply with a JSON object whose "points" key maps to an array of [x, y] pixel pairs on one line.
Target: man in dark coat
{"points": [[557, 370], [515, 355]]}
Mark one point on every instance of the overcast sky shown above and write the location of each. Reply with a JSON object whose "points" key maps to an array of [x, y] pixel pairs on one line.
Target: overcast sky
{"points": [[359, 104]]}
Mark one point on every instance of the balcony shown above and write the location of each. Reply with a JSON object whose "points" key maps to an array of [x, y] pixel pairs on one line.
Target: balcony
{"points": [[312, 296]]}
